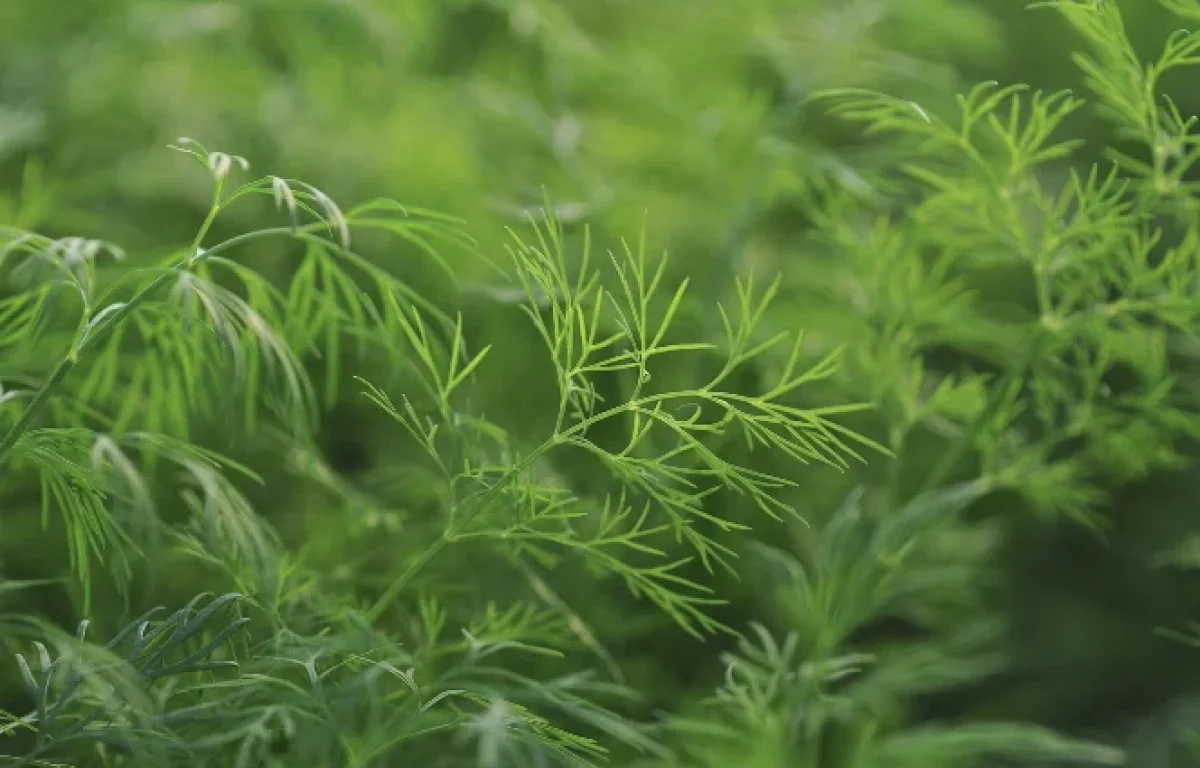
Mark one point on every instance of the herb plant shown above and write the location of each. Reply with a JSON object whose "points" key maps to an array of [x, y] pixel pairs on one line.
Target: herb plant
{"points": [[153, 347], [1055, 400], [613, 508]]}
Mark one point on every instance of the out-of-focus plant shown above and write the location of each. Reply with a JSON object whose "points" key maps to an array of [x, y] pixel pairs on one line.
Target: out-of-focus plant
{"points": [[1050, 402]]}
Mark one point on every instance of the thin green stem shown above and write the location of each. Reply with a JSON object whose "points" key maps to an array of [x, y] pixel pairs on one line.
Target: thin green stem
{"points": [[450, 534], [397, 587], [39, 400], [64, 367], [955, 453], [401, 583]]}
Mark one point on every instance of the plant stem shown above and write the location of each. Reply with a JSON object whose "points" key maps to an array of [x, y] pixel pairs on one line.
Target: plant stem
{"points": [[51, 385], [64, 367], [560, 437], [39, 399], [952, 456], [451, 532], [396, 587]]}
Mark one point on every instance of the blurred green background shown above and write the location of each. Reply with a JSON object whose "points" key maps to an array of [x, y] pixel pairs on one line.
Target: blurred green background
{"points": [[690, 115]]}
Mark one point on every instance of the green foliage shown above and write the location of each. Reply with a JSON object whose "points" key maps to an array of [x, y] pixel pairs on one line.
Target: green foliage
{"points": [[197, 335], [94, 694], [493, 499]]}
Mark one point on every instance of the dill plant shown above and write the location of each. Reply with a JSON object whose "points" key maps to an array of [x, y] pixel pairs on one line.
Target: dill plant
{"points": [[289, 663], [1077, 390], [444, 657]]}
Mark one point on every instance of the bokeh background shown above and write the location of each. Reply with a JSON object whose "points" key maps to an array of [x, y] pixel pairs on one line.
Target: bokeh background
{"points": [[688, 115]]}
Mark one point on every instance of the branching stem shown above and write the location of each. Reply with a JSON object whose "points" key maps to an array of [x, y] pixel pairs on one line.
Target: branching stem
{"points": [[186, 264]]}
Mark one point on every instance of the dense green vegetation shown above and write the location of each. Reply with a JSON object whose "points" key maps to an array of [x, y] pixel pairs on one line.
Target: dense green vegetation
{"points": [[534, 383]]}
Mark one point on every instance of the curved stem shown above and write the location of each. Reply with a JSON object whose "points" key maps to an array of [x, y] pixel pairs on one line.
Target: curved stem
{"points": [[67, 363], [39, 400], [64, 367]]}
